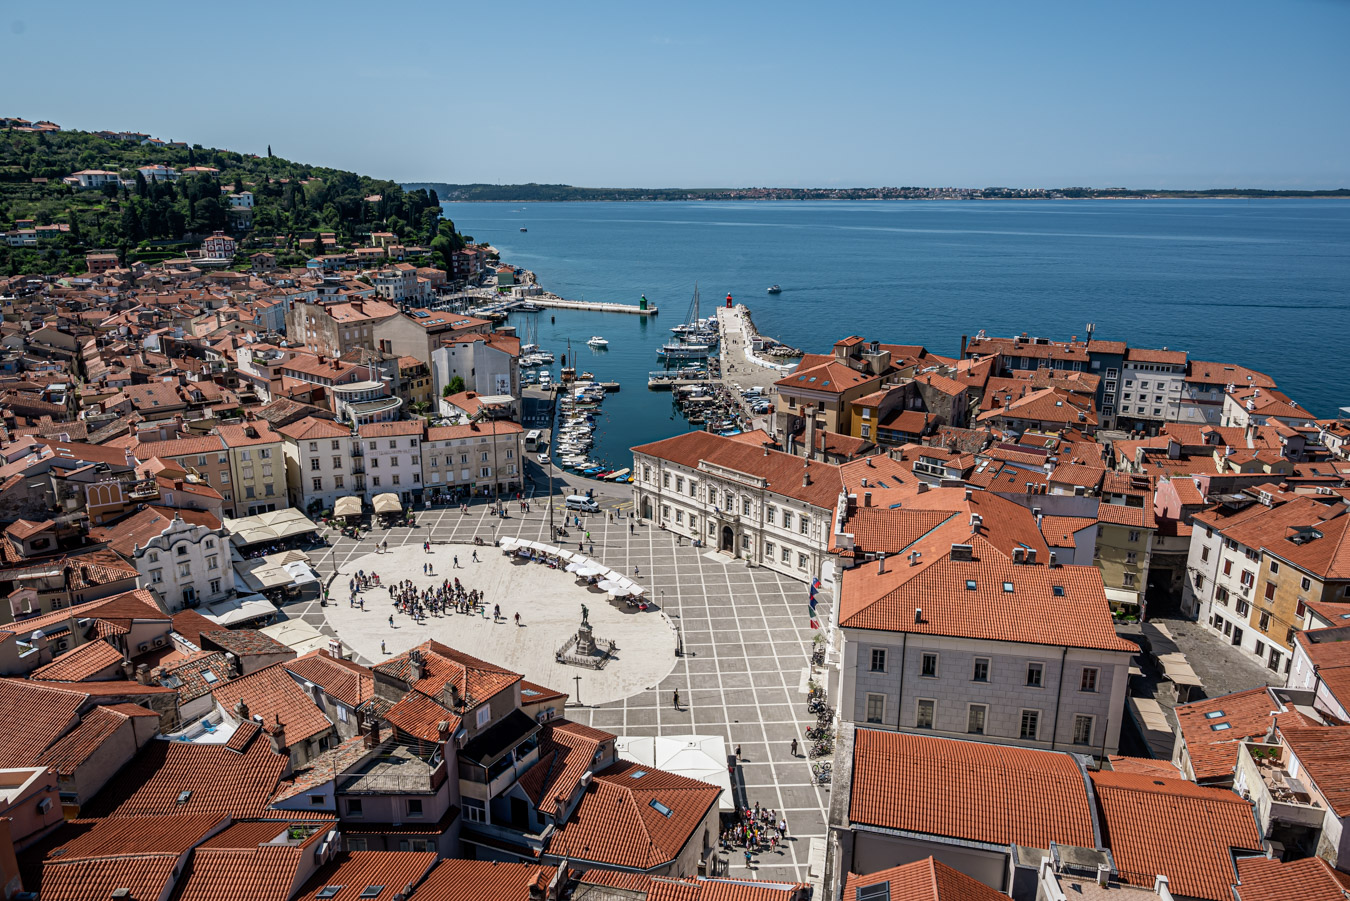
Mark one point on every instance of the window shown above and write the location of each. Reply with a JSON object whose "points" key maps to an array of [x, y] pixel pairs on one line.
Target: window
{"points": [[679, 517], [414, 807], [337, 462], [878, 660], [876, 706], [805, 523], [1088, 681], [787, 519], [314, 464], [768, 550], [156, 576], [1274, 567], [928, 666], [265, 453], [975, 717], [484, 714], [801, 561], [354, 807], [213, 563], [473, 810], [1031, 720], [1306, 583], [185, 570], [1204, 553], [1242, 607], [1270, 591], [337, 481], [396, 478], [375, 480], [769, 514], [1275, 658], [1265, 622], [393, 443], [244, 455], [981, 672], [927, 709], [215, 586], [318, 483], [1035, 675], [1132, 558], [679, 485], [1134, 535], [1127, 579], [1228, 567], [665, 480], [745, 506], [787, 555], [1082, 729], [336, 444]]}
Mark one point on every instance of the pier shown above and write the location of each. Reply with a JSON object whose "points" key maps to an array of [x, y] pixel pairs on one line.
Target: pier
{"points": [[502, 307]]}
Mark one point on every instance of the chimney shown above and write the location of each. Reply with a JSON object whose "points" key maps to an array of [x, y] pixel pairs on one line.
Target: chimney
{"points": [[241, 711], [1054, 559], [1031, 555], [867, 498], [962, 552], [766, 450], [1103, 874], [443, 730], [881, 563], [1019, 555], [372, 737], [969, 492], [810, 414], [143, 674], [1160, 887], [923, 488], [278, 736], [128, 670], [918, 614], [806, 477], [914, 557], [415, 668]]}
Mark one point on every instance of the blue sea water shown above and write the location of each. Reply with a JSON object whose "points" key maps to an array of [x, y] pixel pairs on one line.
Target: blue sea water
{"points": [[1262, 283]]}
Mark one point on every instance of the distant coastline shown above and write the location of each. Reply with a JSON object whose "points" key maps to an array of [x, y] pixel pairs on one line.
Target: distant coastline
{"points": [[537, 193]]}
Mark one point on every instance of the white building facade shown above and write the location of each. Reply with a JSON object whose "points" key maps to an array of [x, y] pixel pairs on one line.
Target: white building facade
{"points": [[318, 456], [186, 565], [392, 455]]}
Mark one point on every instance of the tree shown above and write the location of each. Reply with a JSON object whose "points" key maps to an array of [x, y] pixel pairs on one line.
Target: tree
{"points": [[269, 151], [455, 387], [141, 187]]}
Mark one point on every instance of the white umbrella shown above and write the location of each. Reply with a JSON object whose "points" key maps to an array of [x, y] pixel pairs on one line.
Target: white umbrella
{"points": [[607, 585], [613, 576], [590, 569], [387, 503], [347, 506], [573, 567], [508, 543]]}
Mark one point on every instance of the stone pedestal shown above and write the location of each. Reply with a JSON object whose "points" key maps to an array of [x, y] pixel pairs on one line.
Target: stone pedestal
{"points": [[585, 641]]}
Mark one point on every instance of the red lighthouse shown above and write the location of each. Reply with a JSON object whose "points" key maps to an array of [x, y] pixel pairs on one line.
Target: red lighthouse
{"points": [[728, 301]]}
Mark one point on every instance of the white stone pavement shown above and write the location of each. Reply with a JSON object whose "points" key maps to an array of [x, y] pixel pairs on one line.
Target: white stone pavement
{"points": [[548, 601]]}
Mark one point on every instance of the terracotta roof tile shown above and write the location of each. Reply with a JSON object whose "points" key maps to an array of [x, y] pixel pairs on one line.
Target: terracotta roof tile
{"points": [[418, 716], [242, 642], [351, 683], [444, 665], [923, 880], [618, 821], [969, 790], [81, 742], [480, 880], [1213, 752], [1144, 766], [566, 752], [145, 875], [1324, 755], [783, 471], [81, 663], [34, 717], [217, 778], [1193, 848], [1309, 879], [1060, 531], [355, 870], [274, 695]]}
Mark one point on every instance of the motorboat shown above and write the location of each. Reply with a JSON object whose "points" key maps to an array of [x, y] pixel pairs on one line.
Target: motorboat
{"points": [[774, 289], [597, 341], [524, 229]]}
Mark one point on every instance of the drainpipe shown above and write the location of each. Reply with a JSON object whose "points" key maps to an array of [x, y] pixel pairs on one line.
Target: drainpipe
{"points": [[1059, 698], [904, 644]]}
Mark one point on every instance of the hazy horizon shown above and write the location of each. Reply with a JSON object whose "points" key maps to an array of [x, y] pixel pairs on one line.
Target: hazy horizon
{"points": [[1149, 96]]}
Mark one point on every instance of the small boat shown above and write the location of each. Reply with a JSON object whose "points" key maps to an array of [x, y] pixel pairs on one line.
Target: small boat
{"points": [[528, 306], [618, 475], [597, 341], [774, 289], [524, 229]]}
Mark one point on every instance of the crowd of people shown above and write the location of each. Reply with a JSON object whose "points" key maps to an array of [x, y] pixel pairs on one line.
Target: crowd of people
{"points": [[758, 829]]}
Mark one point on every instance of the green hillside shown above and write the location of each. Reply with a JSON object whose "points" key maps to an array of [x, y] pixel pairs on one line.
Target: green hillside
{"points": [[144, 220]]}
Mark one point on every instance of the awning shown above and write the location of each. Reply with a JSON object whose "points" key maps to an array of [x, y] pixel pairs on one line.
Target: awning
{"points": [[283, 570], [347, 506], [274, 525], [701, 757], [1121, 596], [237, 611], [387, 503]]}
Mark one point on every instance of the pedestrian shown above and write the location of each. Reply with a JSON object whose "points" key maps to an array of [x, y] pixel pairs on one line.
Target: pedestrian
{"points": [[782, 827], [677, 699], [631, 529], [391, 620], [747, 859], [475, 556], [456, 561], [382, 650], [517, 620], [794, 747], [635, 570]]}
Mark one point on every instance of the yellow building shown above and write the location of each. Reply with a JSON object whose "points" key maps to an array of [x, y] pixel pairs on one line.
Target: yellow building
{"points": [[1124, 542], [257, 467]]}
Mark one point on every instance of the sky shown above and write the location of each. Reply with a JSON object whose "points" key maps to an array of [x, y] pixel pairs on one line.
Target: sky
{"points": [[1145, 94]]}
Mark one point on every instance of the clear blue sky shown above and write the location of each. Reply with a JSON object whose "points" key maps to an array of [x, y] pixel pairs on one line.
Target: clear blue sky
{"points": [[1140, 94]]}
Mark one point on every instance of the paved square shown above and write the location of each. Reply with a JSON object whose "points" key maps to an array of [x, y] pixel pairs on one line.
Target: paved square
{"points": [[745, 635]]}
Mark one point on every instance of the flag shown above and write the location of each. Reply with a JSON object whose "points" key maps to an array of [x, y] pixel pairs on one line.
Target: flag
{"points": [[815, 586]]}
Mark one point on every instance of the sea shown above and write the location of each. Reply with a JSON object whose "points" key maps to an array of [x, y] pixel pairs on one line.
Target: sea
{"points": [[1261, 283]]}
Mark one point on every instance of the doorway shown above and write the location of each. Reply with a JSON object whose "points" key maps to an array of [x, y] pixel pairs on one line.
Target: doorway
{"points": [[728, 540]]}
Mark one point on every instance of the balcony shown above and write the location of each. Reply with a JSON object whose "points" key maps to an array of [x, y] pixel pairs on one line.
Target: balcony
{"points": [[1279, 797]]}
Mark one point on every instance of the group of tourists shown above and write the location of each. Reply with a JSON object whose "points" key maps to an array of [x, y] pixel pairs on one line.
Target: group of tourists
{"points": [[758, 829]]}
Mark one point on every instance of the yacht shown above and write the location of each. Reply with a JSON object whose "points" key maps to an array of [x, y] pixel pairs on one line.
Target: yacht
{"points": [[597, 341], [774, 289]]}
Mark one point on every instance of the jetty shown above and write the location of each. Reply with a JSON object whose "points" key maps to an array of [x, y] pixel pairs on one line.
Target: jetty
{"points": [[507, 305]]}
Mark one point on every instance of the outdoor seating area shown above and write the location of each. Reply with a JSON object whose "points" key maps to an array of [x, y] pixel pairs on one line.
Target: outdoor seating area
{"points": [[589, 572]]}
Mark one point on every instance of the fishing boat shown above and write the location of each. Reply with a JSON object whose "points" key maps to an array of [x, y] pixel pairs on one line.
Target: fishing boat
{"points": [[597, 341], [618, 475], [774, 289]]}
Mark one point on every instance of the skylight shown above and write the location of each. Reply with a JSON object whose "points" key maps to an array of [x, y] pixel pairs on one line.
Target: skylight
{"points": [[660, 808], [637, 774], [1214, 715], [1058, 590], [1007, 586], [209, 676], [329, 891], [970, 585], [1219, 727], [372, 891]]}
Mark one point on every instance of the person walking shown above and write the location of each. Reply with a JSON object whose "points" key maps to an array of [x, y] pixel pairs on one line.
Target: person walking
{"points": [[382, 650], [517, 620], [676, 698], [475, 556], [794, 747], [738, 752], [391, 620]]}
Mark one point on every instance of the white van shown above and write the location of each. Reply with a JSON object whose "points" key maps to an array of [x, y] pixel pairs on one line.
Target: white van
{"points": [[582, 503]]}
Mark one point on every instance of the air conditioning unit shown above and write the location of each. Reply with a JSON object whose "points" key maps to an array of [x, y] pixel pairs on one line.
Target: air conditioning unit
{"points": [[159, 641], [143, 647], [1246, 590], [44, 805]]}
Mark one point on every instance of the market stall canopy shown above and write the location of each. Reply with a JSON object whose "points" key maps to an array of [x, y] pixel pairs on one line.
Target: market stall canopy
{"points": [[347, 506], [606, 585], [284, 570], [387, 503], [240, 610], [274, 525], [590, 569], [508, 543]]}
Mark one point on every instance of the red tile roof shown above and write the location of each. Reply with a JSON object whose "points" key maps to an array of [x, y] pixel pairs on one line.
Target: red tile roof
{"points": [[1144, 766], [969, 790], [1309, 879], [137, 853], [480, 880], [1193, 848], [783, 471], [923, 880], [1247, 714], [351, 683], [1324, 755], [355, 870], [272, 694], [618, 823], [84, 661], [566, 752], [34, 717], [1063, 606], [81, 742], [444, 665], [218, 778], [419, 716]]}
